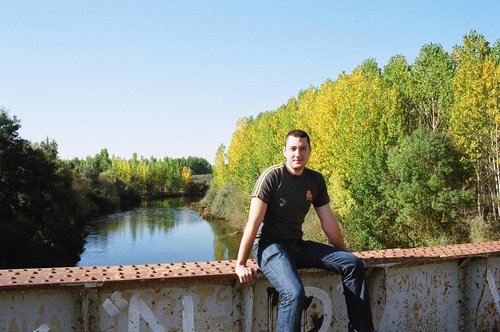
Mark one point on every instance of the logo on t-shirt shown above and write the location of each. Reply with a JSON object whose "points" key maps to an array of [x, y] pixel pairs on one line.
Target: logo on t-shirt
{"points": [[309, 195]]}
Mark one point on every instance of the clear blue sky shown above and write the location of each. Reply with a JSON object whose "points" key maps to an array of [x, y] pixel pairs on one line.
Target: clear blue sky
{"points": [[171, 78]]}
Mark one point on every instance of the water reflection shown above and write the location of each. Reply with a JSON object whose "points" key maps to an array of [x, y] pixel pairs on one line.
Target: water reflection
{"points": [[157, 232]]}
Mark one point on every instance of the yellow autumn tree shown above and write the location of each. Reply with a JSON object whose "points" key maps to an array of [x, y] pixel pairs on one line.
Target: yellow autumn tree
{"points": [[121, 169], [359, 119], [186, 174], [475, 117], [239, 154], [220, 168]]}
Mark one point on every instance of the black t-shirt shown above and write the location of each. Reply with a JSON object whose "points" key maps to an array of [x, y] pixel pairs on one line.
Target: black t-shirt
{"points": [[288, 198]]}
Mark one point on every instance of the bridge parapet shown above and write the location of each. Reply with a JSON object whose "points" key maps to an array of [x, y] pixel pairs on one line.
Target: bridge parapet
{"points": [[451, 288]]}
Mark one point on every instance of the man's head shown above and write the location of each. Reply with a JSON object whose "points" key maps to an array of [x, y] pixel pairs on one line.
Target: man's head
{"points": [[297, 150], [298, 133]]}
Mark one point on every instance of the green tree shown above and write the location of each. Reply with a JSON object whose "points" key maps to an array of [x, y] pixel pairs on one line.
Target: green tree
{"points": [[220, 168], [49, 146], [366, 125], [38, 226], [102, 161], [197, 165], [397, 77], [431, 92], [426, 190]]}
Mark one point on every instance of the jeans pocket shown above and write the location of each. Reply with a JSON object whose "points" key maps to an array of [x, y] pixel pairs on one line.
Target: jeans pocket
{"points": [[267, 252]]}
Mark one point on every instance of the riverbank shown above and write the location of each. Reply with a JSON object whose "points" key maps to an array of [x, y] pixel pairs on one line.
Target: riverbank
{"points": [[160, 231], [193, 192]]}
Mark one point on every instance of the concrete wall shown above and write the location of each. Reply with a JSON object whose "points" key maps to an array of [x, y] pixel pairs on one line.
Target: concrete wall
{"points": [[457, 293]]}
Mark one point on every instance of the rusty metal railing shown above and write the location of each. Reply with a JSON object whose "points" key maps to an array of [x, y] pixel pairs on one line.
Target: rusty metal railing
{"points": [[15, 279]]}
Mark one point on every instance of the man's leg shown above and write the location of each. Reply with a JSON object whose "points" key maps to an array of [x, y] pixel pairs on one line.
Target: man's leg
{"points": [[277, 262], [352, 272]]}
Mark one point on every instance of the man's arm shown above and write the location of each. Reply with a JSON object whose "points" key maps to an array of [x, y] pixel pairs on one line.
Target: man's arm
{"points": [[256, 215], [330, 226]]}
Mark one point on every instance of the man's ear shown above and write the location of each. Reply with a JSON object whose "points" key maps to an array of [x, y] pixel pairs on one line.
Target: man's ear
{"points": [[284, 151]]}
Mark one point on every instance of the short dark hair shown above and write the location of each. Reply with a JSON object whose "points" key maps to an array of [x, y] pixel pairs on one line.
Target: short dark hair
{"points": [[298, 133]]}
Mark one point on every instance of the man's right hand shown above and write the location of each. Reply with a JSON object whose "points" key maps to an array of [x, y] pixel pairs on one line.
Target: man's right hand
{"points": [[245, 274], [255, 217]]}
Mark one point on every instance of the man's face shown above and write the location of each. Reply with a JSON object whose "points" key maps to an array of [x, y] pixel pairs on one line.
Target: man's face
{"points": [[297, 153]]}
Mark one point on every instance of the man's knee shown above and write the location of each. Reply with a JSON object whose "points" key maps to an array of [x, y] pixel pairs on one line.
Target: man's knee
{"points": [[355, 266], [359, 263], [294, 294]]}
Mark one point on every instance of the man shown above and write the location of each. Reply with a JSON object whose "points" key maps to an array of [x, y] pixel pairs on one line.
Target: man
{"points": [[280, 201]]}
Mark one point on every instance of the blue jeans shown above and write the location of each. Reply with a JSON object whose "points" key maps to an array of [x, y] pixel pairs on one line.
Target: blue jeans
{"points": [[279, 261]]}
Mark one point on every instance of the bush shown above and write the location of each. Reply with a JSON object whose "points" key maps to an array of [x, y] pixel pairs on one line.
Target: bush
{"points": [[312, 228], [229, 204], [85, 207], [198, 185], [481, 230], [209, 197], [427, 188]]}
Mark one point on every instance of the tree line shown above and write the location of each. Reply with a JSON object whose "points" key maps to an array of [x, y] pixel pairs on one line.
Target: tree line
{"points": [[410, 151], [116, 182], [45, 201]]}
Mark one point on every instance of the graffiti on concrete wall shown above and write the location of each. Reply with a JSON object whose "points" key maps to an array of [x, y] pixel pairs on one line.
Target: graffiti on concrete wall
{"points": [[437, 295], [136, 309], [320, 320]]}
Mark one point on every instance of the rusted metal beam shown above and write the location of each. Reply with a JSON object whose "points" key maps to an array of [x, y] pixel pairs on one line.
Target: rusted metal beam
{"points": [[451, 288], [97, 276]]}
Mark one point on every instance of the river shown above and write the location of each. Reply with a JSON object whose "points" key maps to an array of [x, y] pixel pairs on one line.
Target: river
{"points": [[165, 231]]}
